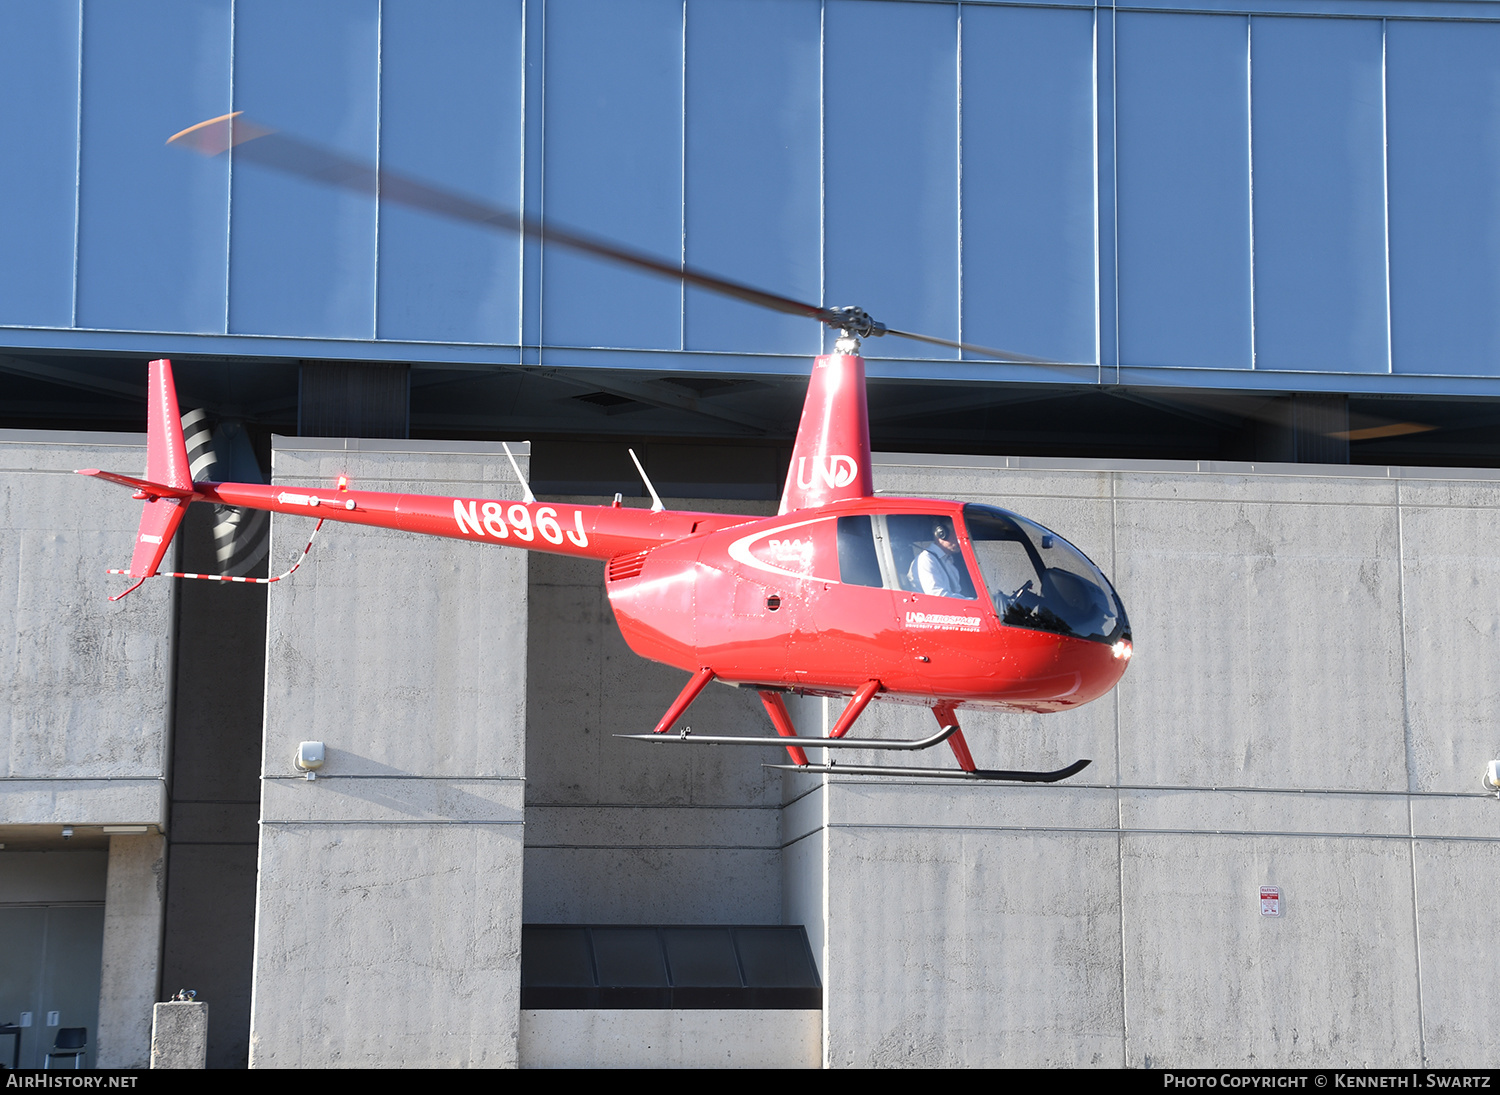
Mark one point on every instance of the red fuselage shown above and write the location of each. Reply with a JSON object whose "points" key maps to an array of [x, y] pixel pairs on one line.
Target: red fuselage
{"points": [[763, 600], [764, 603]]}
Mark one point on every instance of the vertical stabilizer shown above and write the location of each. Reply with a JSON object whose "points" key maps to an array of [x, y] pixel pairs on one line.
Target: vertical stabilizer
{"points": [[167, 464], [831, 458], [166, 452]]}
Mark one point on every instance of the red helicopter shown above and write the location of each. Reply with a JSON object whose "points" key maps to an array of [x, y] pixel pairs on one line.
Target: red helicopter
{"points": [[919, 601]]}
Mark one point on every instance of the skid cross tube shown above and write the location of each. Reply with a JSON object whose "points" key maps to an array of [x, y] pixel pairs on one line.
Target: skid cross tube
{"points": [[689, 693], [776, 708], [856, 708], [947, 716], [804, 743], [994, 775]]}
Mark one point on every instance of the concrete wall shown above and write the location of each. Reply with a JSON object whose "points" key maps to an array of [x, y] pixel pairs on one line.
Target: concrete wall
{"points": [[671, 1039], [83, 728], [389, 897], [135, 896], [1308, 707], [625, 832]]}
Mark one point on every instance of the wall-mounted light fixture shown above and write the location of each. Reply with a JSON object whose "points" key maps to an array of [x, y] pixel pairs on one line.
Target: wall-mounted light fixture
{"points": [[309, 758]]}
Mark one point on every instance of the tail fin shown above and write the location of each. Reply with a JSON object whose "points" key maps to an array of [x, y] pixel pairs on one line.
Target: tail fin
{"points": [[166, 452], [168, 486], [831, 457]]}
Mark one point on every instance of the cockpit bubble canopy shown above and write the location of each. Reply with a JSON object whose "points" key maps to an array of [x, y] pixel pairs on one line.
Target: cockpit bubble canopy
{"points": [[1038, 580]]}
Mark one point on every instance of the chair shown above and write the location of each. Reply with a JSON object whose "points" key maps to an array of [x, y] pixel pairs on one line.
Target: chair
{"points": [[71, 1042]]}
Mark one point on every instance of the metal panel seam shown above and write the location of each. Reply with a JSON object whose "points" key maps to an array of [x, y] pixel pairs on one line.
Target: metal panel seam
{"points": [[77, 169], [375, 248]]}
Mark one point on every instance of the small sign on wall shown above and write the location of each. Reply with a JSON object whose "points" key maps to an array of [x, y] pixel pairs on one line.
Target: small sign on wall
{"points": [[1270, 901]]}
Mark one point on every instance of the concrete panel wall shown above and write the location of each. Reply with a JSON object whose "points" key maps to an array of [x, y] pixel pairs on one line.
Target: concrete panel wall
{"points": [[1306, 709], [670, 1039], [389, 897], [1208, 979], [83, 728], [1309, 707], [135, 896], [1457, 916], [1270, 627], [83, 725], [622, 831], [1450, 623]]}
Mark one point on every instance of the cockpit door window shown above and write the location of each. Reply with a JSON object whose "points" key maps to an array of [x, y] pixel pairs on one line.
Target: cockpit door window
{"points": [[915, 552]]}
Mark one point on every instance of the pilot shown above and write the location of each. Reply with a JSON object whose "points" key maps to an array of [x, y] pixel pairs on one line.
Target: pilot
{"points": [[939, 567]]}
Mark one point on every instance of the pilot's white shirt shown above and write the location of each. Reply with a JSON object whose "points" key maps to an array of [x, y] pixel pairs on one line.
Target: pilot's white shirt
{"points": [[938, 574]]}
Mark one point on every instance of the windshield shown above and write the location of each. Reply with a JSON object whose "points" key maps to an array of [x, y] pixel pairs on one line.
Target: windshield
{"points": [[1040, 581]]}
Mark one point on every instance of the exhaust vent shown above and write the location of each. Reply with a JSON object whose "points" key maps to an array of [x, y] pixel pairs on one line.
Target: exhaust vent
{"points": [[622, 567]]}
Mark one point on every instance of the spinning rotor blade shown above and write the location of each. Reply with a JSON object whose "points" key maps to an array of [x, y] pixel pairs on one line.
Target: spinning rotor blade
{"points": [[969, 347], [1221, 408], [267, 147]]}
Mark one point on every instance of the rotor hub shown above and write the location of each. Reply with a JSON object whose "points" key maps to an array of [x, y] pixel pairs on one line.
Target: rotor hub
{"points": [[854, 323]]}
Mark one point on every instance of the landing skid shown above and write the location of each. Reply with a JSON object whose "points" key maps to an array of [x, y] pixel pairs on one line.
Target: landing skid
{"points": [[983, 774], [687, 737], [797, 746]]}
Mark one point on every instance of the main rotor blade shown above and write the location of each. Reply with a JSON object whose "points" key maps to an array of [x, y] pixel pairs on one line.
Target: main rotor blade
{"points": [[257, 144], [262, 145], [969, 347]]}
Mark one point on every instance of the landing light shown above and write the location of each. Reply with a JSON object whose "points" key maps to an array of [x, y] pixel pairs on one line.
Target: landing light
{"points": [[1121, 649]]}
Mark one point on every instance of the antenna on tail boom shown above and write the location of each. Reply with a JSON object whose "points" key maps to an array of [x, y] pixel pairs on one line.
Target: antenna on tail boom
{"points": [[656, 506], [525, 486]]}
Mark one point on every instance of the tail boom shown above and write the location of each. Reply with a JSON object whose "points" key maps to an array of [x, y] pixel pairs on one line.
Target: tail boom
{"points": [[591, 532]]}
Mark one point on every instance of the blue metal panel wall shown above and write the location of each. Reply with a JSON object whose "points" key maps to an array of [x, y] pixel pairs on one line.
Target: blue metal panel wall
{"points": [[451, 111], [1443, 86], [754, 167], [1029, 278], [1183, 127], [38, 161], [302, 256], [1289, 199], [1317, 112], [613, 166], [891, 108], [152, 238]]}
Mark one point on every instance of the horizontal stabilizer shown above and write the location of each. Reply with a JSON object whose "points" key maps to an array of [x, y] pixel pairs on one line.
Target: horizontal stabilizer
{"points": [[153, 490]]}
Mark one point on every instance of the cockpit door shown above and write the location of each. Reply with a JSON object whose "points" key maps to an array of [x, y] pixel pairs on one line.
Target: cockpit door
{"points": [[942, 607], [939, 607]]}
